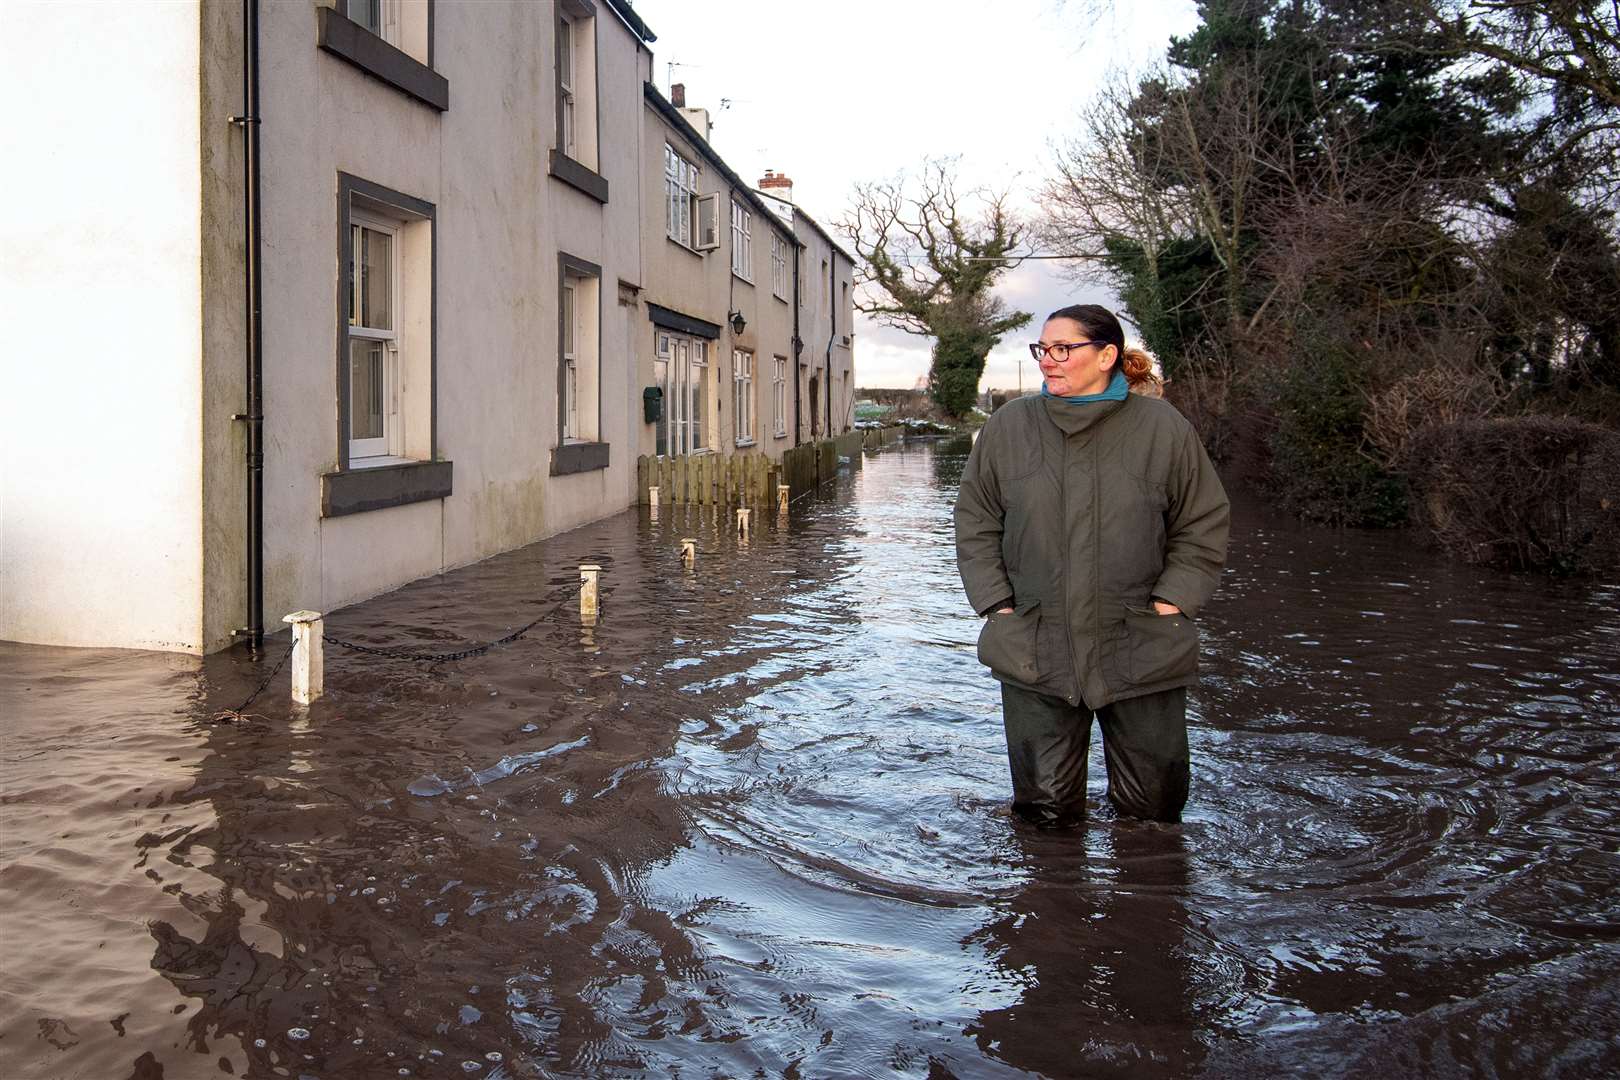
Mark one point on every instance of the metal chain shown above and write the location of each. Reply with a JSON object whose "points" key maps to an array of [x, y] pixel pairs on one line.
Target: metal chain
{"points": [[442, 658], [239, 713], [435, 658]]}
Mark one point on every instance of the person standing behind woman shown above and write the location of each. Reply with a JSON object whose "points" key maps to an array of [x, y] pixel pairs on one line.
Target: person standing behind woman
{"points": [[1090, 531]]}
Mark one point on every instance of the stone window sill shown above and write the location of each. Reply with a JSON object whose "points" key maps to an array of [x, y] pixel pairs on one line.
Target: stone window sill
{"points": [[688, 248], [579, 177], [579, 457], [354, 43], [356, 490]]}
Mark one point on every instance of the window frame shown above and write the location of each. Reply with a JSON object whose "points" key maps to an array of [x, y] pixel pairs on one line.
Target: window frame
{"points": [[742, 240], [779, 398], [393, 207], [362, 453], [388, 22], [578, 446], [569, 347], [566, 77], [681, 179], [742, 396], [349, 489], [576, 83], [663, 361], [779, 266], [689, 374]]}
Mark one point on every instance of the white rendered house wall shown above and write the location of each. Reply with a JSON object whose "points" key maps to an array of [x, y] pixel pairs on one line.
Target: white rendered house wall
{"points": [[100, 340]]}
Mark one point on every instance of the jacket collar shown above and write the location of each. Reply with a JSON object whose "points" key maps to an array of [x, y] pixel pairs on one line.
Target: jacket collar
{"points": [[1078, 419]]}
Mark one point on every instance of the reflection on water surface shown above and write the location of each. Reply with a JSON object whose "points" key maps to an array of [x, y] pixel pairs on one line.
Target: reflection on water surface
{"points": [[752, 823]]}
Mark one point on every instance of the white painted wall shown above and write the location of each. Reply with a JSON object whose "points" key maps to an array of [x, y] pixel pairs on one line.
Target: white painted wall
{"points": [[122, 321], [100, 343]]}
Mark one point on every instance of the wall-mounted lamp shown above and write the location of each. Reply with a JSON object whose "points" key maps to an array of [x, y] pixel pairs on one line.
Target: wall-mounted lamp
{"points": [[738, 323]]}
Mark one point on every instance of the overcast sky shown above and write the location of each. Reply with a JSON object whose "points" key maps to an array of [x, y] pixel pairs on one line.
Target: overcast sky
{"points": [[833, 92]]}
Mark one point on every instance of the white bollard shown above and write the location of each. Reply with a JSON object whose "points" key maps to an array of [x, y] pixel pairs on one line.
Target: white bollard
{"points": [[589, 575], [782, 496], [308, 663], [743, 516], [652, 497], [688, 551]]}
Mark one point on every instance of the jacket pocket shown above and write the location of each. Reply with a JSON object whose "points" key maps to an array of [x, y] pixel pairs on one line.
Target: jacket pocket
{"points": [[1162, 648], [1007, 642]]}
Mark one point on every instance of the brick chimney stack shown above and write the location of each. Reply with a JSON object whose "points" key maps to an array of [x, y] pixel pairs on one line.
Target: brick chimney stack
{"points": [[677, 95], [778, 184]]}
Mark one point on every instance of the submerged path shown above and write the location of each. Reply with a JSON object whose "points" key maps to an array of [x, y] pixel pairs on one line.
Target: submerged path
{"points": [[753, 823]]}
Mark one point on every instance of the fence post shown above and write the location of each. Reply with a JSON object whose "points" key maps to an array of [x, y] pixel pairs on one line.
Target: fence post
{"points": [[308, 659], [782, 491], [652, 496], [589, 574], [743, 514]]}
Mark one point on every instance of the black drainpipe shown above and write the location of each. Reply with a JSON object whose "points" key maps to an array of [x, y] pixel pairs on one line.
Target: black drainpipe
{"points": [[832, 310], [254, 417], [798, 350]]}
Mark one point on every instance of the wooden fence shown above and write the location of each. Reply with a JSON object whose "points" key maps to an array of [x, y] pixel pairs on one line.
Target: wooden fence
{"points": [[709, 479], [752, 479]]}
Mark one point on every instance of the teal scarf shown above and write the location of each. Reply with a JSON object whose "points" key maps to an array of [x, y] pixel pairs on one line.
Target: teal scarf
{"points": [[1118, 390]]}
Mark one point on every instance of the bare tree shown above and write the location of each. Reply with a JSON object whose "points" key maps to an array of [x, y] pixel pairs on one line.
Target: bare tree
{"points": [[1108, 183], [930, 256]]}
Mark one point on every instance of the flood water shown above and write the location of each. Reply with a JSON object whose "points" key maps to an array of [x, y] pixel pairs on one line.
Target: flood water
{"points": [[753, 823]]}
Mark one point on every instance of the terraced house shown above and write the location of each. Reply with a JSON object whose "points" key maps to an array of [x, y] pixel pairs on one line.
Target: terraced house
{"points": [[392, 286]]}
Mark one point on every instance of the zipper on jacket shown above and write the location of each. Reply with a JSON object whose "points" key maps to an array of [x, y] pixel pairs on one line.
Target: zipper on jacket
{"points": [[1063, 516]]}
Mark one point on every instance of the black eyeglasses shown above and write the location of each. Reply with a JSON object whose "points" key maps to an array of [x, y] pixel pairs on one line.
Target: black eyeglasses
{"points": [[1059, 350]]}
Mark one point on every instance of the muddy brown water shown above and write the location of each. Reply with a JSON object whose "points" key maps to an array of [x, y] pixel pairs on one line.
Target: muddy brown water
{"points": [[753, 823]]}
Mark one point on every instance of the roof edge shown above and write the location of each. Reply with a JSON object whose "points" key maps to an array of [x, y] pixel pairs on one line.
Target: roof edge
{"points": [[623, 9], [801, 212]]}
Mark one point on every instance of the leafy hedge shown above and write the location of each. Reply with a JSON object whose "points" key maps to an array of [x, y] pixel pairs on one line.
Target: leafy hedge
{"points": [[1318, 468]]}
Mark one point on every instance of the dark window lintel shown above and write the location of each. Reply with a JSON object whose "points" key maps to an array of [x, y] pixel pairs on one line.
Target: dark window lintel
{"points": [[670, 319]]}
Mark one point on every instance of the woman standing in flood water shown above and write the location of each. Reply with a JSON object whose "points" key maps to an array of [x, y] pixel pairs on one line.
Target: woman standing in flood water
{"points": [[1090, 530]]}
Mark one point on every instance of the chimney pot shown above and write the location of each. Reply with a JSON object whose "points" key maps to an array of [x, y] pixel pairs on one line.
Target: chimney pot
{"points": [[677, 95], [779, 184]]}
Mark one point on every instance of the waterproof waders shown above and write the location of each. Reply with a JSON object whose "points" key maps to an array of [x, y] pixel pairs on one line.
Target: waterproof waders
{"points": [[1144, 749]]}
